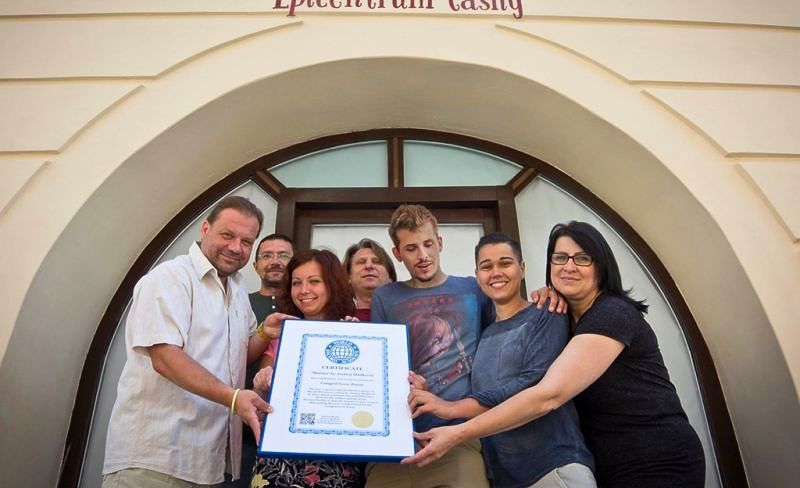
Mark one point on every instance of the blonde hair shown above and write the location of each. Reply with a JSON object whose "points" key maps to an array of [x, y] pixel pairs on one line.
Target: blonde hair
{"points": [[410, 217]]}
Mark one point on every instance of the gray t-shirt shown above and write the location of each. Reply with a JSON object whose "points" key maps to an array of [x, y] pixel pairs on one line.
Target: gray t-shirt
{"points": [[444, 326], [513, 355]]}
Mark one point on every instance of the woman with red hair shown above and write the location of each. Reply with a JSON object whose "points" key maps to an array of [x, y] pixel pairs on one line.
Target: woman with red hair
{"points": [[315, 287]]}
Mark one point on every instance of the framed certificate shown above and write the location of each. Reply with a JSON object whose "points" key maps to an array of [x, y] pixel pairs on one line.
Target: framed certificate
{"points": [[339, 391]]}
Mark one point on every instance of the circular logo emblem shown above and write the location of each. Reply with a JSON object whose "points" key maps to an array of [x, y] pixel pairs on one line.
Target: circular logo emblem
{"points": [[342, 352]]}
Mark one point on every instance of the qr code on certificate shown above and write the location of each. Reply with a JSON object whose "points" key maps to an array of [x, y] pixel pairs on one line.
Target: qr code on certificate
{"points": [[307, 418]]}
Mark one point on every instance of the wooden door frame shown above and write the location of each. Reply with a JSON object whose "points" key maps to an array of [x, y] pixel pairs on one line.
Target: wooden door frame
{"points": [[726, 447], [493, 206]]}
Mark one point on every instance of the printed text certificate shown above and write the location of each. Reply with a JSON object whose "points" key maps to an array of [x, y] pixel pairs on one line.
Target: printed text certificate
{"points": [[339, 391]]}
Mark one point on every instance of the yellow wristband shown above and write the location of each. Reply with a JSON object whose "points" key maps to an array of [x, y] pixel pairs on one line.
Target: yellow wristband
{"points": [[233, 401], [261, 333]]}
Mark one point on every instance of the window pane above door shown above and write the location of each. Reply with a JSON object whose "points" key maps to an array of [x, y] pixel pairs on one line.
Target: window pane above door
{"points": [[354, 165], [438, 164], [458, 243]]}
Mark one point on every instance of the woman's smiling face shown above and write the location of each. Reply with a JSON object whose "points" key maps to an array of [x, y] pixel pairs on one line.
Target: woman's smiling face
{"points": [[309, 292], [499, 272], [572, 281]]}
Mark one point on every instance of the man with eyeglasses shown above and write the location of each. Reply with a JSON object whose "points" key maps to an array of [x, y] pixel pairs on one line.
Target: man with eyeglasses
{"points": [[272, 255]]}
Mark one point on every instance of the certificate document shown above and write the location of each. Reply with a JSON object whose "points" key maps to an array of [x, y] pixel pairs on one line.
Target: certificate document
{"points": [[339, 391]]}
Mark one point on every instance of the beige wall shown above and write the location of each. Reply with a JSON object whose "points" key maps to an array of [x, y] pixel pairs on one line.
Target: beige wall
{"points": [[681, 115]]}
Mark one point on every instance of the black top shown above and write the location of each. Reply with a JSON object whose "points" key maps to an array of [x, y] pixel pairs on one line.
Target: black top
{"points": [[262, 305], [631, 416]]}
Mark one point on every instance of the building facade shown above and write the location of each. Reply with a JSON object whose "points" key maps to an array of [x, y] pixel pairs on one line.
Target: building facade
{"points": [[677, 121]]}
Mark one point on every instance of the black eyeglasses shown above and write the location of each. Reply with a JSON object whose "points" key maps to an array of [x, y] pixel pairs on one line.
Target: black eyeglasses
{"points": [[561, 258]]}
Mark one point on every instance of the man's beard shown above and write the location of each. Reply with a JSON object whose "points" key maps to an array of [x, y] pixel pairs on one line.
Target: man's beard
{"points": [[269, 283]]}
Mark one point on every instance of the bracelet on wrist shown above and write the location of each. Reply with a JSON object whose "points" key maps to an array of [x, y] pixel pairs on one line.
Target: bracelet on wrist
{"points": [[261, 333], [233, 401]]}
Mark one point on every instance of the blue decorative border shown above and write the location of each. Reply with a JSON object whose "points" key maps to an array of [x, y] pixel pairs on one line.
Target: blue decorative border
{"points": [[299, 378]]}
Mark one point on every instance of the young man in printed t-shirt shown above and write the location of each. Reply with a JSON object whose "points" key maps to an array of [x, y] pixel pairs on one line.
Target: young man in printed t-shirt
{"points": [[445, 315]]}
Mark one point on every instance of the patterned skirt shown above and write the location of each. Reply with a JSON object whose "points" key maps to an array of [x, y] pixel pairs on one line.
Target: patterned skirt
{"points": [[299, 473]]}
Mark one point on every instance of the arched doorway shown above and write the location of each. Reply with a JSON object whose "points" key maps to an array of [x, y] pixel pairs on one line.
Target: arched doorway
{"points": [[328, 181]]}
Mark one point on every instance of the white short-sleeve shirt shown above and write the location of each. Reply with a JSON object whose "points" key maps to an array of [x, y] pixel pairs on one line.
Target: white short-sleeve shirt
{"points": [[155, 424]]}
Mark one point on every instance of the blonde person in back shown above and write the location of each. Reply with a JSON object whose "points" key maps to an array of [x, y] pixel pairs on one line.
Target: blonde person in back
{"points": [[368, 267]]}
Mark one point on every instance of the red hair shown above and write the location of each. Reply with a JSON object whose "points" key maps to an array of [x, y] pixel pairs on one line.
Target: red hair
{"points": [[340, 293]]}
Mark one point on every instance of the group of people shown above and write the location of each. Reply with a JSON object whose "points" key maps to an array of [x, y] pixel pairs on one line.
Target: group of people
{"points": [[493, 381]]}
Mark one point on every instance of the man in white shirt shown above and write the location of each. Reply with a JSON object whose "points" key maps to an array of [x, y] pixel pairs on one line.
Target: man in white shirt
{"points": [[190, 333]]}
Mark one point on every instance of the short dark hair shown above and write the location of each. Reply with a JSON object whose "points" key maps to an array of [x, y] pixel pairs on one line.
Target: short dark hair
{"points": [[341, 301], [498, 238], [594, 244], [273, 237], [379, 251], [241, 204]]}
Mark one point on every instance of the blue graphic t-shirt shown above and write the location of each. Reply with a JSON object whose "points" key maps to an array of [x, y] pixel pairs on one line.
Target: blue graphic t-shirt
{"points": [[444, 326]]}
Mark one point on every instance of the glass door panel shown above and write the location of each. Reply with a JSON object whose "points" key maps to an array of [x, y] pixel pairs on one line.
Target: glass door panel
{"points": [[458, 243]]}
